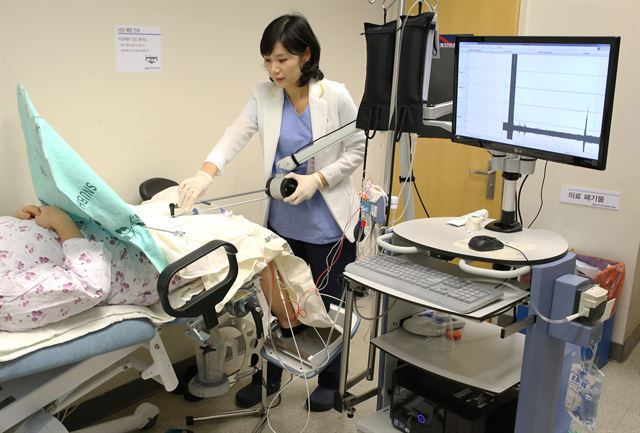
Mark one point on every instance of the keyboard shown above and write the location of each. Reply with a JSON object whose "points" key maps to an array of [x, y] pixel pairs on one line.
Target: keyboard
{"points": [[444, 289]]}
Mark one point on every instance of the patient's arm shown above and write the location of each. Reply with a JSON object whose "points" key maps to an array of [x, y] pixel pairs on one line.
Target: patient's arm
{"points": [[278, 298], [51, 217], [43, 281]]}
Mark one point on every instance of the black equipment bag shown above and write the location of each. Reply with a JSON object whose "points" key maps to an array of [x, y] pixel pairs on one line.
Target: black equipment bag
{"points": [[411, 72], [373, 113]]}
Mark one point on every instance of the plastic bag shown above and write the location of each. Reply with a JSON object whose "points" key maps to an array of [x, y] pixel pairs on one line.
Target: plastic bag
{"points": [[610, 275], [583, 391]]}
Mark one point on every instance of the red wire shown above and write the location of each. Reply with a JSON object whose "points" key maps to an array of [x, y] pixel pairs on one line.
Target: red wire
{"points": [[339, 251], [326, 271], [302, 312]]}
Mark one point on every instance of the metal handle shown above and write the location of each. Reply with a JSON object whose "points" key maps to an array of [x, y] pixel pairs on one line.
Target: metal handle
{"points": [[493, 273], [382, 243], [478, 171], [491, 179]]}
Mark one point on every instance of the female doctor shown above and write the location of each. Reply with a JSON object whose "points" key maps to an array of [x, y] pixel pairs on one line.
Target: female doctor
{"points": [[295, 107]]}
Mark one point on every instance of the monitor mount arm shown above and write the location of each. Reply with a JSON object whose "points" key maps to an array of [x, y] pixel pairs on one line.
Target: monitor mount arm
{"points": [[294, 160], [512, 167], [430, 114]]}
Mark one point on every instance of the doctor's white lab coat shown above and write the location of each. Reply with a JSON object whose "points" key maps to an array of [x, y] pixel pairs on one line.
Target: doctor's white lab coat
{"points": [[331, 107]]}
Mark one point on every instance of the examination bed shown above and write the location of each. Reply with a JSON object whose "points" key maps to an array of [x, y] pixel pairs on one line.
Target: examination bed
{"points": [[39, 383], [57, 376], [48, 370]]}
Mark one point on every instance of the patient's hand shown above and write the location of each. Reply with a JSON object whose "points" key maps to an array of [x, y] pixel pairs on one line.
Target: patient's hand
{"points": [[51, 217], [28, 212]]}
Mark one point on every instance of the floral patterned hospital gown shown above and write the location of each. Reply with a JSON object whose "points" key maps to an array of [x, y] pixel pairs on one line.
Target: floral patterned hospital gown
{"points": [[43, 281]]}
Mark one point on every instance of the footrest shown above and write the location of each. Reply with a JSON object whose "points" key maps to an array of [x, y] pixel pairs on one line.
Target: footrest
{"points": [[316, 351]]}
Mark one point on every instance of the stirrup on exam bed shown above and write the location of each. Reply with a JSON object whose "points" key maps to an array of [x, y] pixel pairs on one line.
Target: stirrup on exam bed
{"points": [[316, 357], [204, 305]]}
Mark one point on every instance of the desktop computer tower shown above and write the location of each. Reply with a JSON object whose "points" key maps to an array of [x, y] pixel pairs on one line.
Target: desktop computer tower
{"points": [[424, 402]]}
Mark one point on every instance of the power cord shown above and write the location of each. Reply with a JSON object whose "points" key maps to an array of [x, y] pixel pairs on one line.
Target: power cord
{"points": [[393, 303], [424, 208], [518, 199], [544, 176]]}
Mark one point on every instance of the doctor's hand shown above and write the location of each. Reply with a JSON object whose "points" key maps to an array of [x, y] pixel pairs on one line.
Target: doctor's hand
{"points": [[191, 189], [308, 184]]}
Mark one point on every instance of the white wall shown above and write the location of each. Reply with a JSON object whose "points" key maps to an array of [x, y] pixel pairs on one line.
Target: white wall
{"points": [[612, 234], [132, 126]]}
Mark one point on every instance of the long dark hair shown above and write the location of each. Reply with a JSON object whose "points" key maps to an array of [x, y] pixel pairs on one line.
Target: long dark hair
{"points": [[295, 34]]}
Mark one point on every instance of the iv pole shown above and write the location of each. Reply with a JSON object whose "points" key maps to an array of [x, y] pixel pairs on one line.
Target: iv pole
{"points": [[349, 401], [428, 113]]}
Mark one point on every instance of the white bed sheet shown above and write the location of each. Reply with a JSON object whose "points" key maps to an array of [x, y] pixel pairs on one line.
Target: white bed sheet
{"points": [[16, 344], [256, 245]]}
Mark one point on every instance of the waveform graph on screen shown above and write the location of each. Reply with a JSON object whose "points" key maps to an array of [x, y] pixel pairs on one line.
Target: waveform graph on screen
{"points": [[557, 102], [548, 98]]}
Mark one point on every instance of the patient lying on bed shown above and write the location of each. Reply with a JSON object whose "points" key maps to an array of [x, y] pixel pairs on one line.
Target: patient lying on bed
{"points": [[52, 269]]}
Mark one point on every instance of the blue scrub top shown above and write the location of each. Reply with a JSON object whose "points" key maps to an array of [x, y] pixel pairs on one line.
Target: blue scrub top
{"points": [[310, 221]]}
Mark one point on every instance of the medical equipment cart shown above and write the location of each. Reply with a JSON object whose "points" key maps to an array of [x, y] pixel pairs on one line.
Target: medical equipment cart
{"points": [[488, 356]]}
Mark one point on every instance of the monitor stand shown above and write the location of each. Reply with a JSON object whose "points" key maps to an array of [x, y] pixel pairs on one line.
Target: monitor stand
{"points": [[512, 167]]}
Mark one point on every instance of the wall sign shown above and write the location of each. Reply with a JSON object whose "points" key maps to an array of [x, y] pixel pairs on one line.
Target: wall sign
{"points": [[590, 197], [138, 49]]}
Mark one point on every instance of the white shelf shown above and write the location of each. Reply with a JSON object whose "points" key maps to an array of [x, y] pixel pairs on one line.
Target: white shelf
{"points": [[538, 245], [480, 359]]}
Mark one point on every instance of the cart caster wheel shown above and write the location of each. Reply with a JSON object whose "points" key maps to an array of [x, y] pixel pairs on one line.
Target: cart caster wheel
{"points": [[150, 423], [189, 420]]}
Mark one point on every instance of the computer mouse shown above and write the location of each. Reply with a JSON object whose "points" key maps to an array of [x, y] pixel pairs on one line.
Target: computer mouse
{"points": [[485, 243]]}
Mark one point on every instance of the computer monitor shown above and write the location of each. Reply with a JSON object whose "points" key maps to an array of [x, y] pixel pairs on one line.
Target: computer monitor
{"points": [[549, 98]]}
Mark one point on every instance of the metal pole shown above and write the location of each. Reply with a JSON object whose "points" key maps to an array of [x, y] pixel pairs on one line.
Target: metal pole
{"points": [[346, 342], [371, 363], [405, 171], [208, 201], [393, 100], [233, 204]]}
